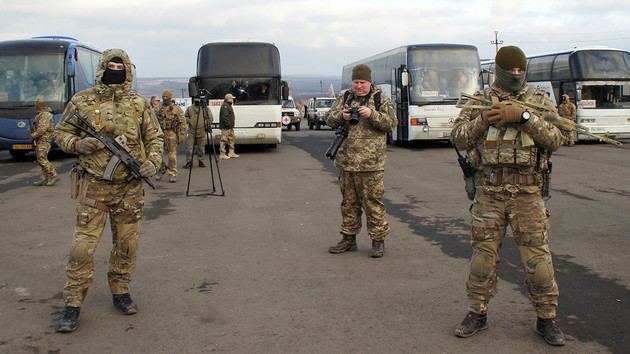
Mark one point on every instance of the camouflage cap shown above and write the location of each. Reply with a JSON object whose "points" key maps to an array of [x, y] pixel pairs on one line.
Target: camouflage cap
{"points": [[362, 72], [510, 57], [168, 94]]}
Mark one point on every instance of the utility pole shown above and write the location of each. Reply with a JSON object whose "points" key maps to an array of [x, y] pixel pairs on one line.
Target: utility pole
{"points": [[496, 41]]}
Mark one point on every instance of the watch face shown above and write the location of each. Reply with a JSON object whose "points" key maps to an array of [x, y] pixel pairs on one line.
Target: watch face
{"points": [[526, 115]]}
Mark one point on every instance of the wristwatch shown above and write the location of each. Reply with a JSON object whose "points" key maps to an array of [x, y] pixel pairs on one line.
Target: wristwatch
{"points": [[525, 117]]}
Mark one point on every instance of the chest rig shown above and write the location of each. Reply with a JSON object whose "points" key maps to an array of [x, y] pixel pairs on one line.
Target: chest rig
{"points": [[510, 146], [168, 118]]}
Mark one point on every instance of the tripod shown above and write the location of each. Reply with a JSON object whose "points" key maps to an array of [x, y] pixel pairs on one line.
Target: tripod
{"points": [[203, 106]]}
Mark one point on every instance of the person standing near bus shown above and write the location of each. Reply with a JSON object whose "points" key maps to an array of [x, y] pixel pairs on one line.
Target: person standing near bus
{"points": [[195, 117], [171, 118], [567, 110], [155, 104], [113, 109], [42, 135], [361, 160], [226, 123], [509, 147]]}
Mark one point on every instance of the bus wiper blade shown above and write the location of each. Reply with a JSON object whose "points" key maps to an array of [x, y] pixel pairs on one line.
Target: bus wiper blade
{"points": [[13, 108]]}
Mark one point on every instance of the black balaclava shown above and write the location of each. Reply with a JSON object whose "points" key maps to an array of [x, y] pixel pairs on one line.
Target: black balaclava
{"points": [[506, 59], [114, 76]]}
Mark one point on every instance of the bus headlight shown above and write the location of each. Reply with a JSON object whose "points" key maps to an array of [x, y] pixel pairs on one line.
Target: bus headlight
{"points": [[419, 121]]}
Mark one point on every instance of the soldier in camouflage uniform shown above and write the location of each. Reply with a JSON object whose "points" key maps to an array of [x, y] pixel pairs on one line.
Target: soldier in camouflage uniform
{"points": [[171, 118], [196, 131], [155, 104], [567, 110], [113, 109], [42, 135], [226, 123], [509, 147], [361, 161]]}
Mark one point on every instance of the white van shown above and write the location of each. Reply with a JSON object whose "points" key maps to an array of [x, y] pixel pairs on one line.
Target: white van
{"points": [[290, 114], [316, 111]]}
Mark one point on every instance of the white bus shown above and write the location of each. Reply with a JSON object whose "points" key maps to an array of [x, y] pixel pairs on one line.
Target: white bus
{"points": [[250, 71], [424, 82], [596, 79]]}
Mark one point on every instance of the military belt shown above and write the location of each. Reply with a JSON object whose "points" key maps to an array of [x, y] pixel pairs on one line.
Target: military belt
{"points": [[505, 176]]}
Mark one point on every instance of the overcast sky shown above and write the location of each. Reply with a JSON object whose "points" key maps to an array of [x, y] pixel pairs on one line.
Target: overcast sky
{"points": [[314, 37]]}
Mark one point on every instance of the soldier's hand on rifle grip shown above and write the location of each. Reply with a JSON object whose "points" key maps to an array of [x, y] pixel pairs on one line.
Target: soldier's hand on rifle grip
{"points": [[492, 116], [147, 169], [346, 113], [510, 113], [89, 145]]}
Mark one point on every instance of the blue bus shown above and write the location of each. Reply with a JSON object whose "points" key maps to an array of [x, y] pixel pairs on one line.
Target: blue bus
{"points": [[52, 68]]}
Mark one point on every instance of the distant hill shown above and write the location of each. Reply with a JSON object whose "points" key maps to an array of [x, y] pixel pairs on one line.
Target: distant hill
{"points": [[301, 86]]}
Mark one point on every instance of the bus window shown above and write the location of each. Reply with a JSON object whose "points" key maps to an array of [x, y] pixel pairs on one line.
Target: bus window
{"points": [[24, 78]]}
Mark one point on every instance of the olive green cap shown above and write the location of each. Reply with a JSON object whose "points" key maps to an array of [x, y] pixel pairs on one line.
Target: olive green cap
{"points": [[510, 57], [362, 72]]}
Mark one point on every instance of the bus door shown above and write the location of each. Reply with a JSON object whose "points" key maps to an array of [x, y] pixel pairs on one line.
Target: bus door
{"points": [[400, 95]]}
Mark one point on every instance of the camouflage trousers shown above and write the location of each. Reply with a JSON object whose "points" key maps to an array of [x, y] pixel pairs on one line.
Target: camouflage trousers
{"points": [[527, 216], [200, 145], [569, 137], [125, 202], [170, 140], [227, 139], [363, 191], [42, 148]]}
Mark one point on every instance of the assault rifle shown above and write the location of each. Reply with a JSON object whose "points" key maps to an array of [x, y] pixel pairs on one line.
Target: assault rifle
{"points": [[118, 148], [546, 113]]}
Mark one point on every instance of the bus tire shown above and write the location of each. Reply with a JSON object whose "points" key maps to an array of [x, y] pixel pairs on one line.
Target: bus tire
{"points": [[17, 154], [272, 146], [310, 126]]}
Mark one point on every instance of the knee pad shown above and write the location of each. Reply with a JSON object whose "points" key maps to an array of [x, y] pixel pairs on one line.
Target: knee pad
{"points": [[80, 252], [540, 270]]}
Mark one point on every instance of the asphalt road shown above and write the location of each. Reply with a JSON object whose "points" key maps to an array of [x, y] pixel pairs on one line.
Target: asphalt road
{"points": [[250, 272]]}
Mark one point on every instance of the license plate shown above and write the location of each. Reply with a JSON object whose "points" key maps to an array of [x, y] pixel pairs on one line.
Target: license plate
{"points": [[22, 147]]}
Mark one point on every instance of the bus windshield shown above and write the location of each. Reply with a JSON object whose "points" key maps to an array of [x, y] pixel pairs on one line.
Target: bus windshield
{"points": [[442, 74], [24, 78], [288, 104], [246, 91], [601, 65]]}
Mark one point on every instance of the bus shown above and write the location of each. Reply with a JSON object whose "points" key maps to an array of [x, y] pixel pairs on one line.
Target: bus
{"points": [[424, 82], [50, 67], [250, 71], [596, 78]]}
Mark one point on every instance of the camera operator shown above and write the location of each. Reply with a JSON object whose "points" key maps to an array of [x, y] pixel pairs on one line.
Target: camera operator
{"points": [[361, 160], [196, 130]]}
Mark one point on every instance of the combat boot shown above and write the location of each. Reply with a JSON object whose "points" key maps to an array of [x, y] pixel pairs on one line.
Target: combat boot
{"points": [[124, 304], [347, 244], [223, 156], [172, 179], [52, 181], [68, 322], [41, 182], [232, 154], [378, 249], [472, 324], [188, 164], [201, 164], [550, 331]]}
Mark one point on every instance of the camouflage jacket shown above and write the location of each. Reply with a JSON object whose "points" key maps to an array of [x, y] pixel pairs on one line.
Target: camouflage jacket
{"points": [[43, 126], [365, 148], [226, 116], [517, 150], [171, 117], [567, 110], [115, 110], [195, 119]]}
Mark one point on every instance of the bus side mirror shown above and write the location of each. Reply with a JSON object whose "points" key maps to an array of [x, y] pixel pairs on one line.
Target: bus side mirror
{"points": [[71, 60], [285, 92], [192, 86], [404, 78]]}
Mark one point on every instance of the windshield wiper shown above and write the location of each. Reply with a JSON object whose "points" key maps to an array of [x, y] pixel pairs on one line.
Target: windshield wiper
{"points": [[14, 108]]}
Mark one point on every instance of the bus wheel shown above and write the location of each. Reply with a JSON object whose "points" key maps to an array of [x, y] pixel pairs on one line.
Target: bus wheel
{"points": [[310, 126], [389, 138], [18, 154], [273, 146]]}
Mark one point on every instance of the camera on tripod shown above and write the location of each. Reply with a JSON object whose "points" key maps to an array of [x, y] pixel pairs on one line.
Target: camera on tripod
{"points": [[354, 115], [203, 94]]}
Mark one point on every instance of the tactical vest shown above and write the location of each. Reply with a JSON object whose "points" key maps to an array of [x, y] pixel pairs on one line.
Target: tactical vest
{"points": [[510, 146], [168, 117]]}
